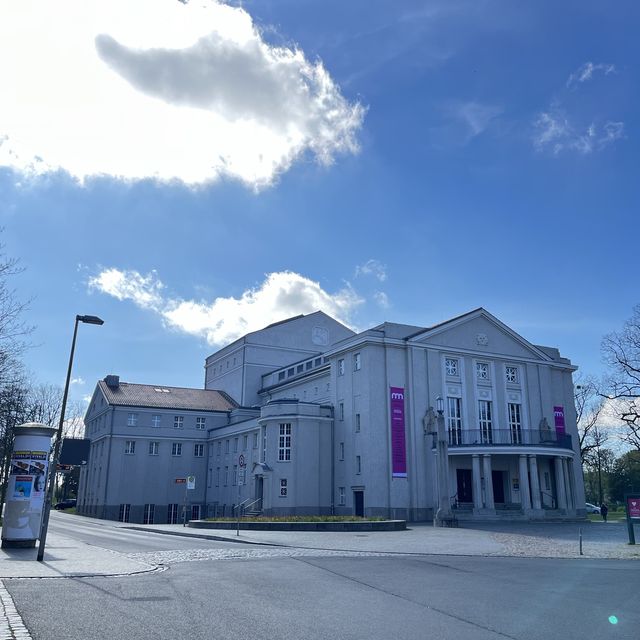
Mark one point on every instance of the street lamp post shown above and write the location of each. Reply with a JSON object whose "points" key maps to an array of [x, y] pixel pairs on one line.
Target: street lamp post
{"points": [[444, 505], [56, 450]]}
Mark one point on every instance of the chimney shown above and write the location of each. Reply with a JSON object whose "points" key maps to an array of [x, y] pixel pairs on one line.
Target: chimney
{"points": [[113, 382]]}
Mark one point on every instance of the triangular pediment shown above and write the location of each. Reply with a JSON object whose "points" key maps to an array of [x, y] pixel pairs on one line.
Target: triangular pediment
{"points": [[482, 332]]}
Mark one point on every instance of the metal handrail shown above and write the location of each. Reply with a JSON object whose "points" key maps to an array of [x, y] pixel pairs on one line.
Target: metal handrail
{"points": [[553, 500]]}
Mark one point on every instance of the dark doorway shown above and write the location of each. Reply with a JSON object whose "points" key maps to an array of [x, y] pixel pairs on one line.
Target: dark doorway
{"points": [[358, 503], [498, 486], [465, 490], [259, 490]]}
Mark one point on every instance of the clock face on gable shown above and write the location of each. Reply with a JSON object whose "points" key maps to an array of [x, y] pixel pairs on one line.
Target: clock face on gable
{"points": [[320, 336]]}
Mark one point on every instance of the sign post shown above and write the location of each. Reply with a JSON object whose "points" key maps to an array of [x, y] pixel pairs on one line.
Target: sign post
{"points": [[242, 463], [632, 504]]}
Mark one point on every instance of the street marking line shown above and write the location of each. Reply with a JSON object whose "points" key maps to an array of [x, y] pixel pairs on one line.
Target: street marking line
{"points": [[10, 616]]}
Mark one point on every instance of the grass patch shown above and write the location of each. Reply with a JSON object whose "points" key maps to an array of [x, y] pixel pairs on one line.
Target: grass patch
{"points": [[615, 516], [298, 519]]}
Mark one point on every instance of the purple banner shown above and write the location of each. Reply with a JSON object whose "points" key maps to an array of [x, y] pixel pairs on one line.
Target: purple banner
{"points": [[398, 448], [633, 507], [558, 416]]}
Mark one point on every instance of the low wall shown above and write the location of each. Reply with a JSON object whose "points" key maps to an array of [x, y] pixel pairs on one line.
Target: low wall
{"points": [[382, 525]]}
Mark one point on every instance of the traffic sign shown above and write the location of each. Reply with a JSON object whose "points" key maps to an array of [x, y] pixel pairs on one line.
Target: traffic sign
{"points": [[241, 461], [191, 482]]}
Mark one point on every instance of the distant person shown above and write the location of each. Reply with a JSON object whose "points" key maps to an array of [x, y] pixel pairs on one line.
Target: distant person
{"points": [[604, 510]]}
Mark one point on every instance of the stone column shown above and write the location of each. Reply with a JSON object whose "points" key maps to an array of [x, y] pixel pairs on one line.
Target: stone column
{"points": [[567, 483], [560, 490], [477, 483], [525, 498], [535, 482], [488, 482]]}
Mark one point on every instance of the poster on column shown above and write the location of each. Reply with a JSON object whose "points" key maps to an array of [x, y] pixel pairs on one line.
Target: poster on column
{"points": [[398, 446], [27, 476], [558, 417]]}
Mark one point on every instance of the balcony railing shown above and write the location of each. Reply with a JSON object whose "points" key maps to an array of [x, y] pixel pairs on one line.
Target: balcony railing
{"points": [[488, 437]]}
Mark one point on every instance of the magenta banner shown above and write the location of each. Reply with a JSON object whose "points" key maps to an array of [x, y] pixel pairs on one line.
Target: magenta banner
{"points": [[558, 416], [633, 507], [398, 447]]}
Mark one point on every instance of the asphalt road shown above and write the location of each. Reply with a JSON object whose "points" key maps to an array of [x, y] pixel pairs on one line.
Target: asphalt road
{"points": [[316, 597]]}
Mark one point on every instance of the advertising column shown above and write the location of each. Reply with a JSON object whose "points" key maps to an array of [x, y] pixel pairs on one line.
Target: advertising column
{"points": [[26, 490]]}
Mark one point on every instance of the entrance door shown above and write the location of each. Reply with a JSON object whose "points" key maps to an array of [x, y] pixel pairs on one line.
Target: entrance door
{"points": [[465, 490], [259, 490], [498, 486], [358, 503]]}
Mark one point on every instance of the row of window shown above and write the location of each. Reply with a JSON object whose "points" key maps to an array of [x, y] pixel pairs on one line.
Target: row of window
{"points": [[452, 368], [357, 364], [485, 420], [236, 444], [154, 448], [156, 421], [148, 516], [300, 368], [356, 421]]}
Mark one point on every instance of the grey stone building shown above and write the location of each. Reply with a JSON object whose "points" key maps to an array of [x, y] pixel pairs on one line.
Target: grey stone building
{"points": [[306, 416]]}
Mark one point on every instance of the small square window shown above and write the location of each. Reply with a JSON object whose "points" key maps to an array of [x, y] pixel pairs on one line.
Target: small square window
{"points": [[201, 423], [283, 487], [178, 422], [132, 419], [512, 375], [281, 375], [156, 420], [451, 366], [482, 370], [300, 368]]}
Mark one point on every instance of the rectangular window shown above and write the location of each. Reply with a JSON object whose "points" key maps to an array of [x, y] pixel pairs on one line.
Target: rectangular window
{"points": [[547, 481], [156, 420], [484, 417], [245, 442], [342, 451], [219, 448], [283, 487], [132, 419], [178, 422], [130, 447], [341, 411], [217, 476], [341, 496], [235, 445], [358, 464], [235, 475], [284, 443], [256, 438], [357, 362], [226, 446], [226, 476], [153, 448], [209, 478], [341, 367], [149, 510], [176, 448], [515, 422], [511, 374], [125, 509], [198, 451], [482, 371], [357, 423], [281, 375], [300, 368], [201, 423], [172, 513], [195, 512], [451, 366], [454, 420]]}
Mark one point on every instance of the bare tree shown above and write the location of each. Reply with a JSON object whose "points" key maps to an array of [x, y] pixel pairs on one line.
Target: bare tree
{"points": [[621, 351], [589, 405], [44, 404]]}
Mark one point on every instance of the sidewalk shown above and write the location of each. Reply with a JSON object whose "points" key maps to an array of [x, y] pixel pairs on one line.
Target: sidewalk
{"points": [[545, 540], [68, 558]]}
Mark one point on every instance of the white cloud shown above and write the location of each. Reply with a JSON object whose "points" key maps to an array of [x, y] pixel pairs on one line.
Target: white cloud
{"points": [[382, 299], [476, 116], [160, 89], [374, 268], [78, 381], [281, 295], [554, 132], [586, 71]]}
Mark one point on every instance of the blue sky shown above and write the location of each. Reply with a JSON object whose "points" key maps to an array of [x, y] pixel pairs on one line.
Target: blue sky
{"points": [[190, 171]]}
